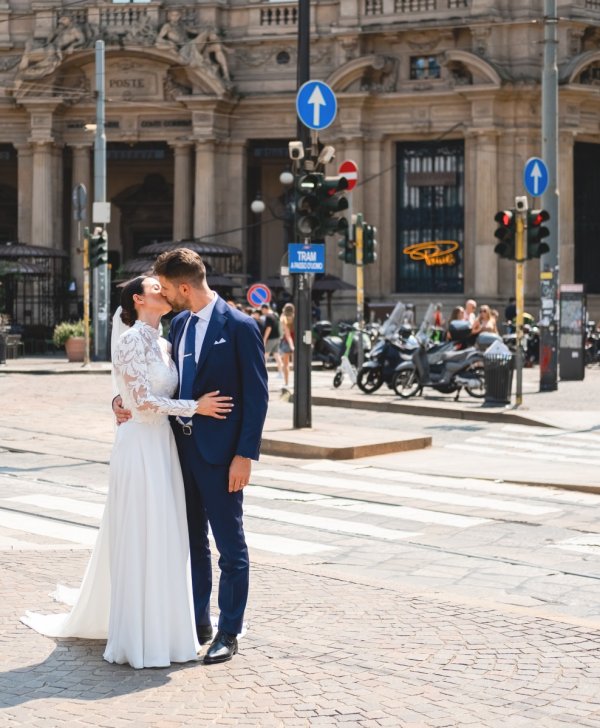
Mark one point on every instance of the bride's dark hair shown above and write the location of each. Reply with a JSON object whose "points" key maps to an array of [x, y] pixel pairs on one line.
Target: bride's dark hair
{"points": [[129, 290]]}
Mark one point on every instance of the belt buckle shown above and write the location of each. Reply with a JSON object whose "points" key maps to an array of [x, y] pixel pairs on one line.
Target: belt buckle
{"points": [[187, 429]]}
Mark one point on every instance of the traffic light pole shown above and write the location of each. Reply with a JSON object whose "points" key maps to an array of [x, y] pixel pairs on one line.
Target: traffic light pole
{"points": [[86, 294], [521, 222], [302, 282], [360, 287], [101, 292], [549, 269]]}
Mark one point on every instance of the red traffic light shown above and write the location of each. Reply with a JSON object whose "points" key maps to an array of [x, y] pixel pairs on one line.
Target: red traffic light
{"points": [[537, 217]]}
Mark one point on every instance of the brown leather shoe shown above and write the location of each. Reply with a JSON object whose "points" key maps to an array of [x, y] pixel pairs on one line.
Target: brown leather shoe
{"points": [[223, 648]]}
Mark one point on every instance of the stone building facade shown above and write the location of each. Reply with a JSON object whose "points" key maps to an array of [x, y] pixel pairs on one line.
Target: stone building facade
{"points": [[439, 103]]}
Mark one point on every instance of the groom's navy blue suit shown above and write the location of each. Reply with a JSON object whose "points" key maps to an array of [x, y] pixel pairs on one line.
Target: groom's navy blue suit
{"points": [[232, 361]]}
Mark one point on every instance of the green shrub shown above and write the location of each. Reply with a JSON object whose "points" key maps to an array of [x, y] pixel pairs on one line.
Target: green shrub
{"points": [[65, 330]]}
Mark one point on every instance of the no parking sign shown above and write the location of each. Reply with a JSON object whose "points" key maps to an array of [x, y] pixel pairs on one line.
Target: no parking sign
{"points": [[258, 294]]}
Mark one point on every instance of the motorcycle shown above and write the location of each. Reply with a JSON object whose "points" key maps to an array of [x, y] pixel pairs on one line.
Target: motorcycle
{"points": [[592, 344], [385, 356], [349, 358], [531, 339], [445, 367]]}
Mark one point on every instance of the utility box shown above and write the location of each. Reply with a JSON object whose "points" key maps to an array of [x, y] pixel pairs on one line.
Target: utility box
{"points": [[571, 337]]}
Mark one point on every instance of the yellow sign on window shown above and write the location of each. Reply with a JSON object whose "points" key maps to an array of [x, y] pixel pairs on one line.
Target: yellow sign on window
{"points": [[439, 252]]}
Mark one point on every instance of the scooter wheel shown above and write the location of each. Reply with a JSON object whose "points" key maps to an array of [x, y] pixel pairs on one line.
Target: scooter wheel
{"points": [[406, 383], [337, 380], [369, 380], [477, 389]]}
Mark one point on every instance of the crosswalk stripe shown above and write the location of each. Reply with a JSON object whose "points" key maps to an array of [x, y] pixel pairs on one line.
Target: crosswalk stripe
{"points": [[489, 487], [283, 545], [410, 514], [44, 527], [58, 503], [539, 446], [86, 535], [508, 453], [549, 433], [587, 544], [405, 491], [328, 524]]}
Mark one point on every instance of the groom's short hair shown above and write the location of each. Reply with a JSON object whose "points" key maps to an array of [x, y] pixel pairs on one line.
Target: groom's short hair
{"points": [[181, 265]]}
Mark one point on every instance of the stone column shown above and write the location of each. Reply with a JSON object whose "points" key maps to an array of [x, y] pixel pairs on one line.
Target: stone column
{"points": [[182, 193], [566, 230], [81, 175], [58, 173], [484, 205], [204, 189], [24, 181], [378, 275], [232, 184], [42, 195]]}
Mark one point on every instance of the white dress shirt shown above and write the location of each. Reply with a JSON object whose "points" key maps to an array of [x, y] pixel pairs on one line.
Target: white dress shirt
{"points": [[203, 315]]}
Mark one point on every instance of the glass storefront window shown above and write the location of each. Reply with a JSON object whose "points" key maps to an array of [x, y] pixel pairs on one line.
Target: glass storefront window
{"points": [[430, 217]]}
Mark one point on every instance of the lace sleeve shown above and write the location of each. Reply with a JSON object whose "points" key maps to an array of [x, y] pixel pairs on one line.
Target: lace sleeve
{"points": [[131, 366]]}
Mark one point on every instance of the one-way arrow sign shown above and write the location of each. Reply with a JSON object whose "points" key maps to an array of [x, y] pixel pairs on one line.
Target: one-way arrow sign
{"points": [[535, 176], [316, 105]]}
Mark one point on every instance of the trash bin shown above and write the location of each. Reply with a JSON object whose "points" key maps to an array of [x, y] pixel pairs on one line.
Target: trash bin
{"points": [[498, 373], [2, 349]]}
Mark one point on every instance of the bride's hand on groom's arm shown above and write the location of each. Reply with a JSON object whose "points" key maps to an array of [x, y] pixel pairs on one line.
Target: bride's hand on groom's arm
{"points": [[214, 405], [121, 414]]}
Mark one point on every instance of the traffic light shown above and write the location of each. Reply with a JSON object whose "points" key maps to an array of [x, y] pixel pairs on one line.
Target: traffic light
{"points": [[307, 219], [506, 234], [347, 247], [98, 248], [536, 232], [331, 203], [369, 243]]}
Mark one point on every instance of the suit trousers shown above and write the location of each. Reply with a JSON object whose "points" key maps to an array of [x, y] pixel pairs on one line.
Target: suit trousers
{"points": [[208, 501]]}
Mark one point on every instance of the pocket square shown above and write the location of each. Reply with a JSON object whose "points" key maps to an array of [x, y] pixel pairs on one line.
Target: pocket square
{"points": [[220, 341]]}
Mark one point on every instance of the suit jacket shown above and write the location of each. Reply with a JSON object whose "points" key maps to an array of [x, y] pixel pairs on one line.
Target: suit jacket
{"points": [[232, 360]]}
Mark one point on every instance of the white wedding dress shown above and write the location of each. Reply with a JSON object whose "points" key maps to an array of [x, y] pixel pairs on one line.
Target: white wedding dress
{"points": [[137, 591]]}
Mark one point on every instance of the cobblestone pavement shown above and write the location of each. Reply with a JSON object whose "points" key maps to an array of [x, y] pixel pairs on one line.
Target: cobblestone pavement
{"points": [[463, 603], [320, 651]]}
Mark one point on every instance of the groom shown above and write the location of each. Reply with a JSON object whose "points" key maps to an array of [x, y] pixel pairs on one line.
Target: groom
{"points": [[215, 347]]}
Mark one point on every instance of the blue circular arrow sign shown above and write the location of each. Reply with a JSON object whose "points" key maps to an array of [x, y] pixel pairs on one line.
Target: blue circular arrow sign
{"points": [[316, 105], [535, 176]]}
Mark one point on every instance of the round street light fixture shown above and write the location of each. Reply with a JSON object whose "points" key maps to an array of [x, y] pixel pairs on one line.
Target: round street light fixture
{"points": [[257, 206]]}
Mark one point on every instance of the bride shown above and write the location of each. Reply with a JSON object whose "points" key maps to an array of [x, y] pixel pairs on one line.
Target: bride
{"points": [[136, 591]]}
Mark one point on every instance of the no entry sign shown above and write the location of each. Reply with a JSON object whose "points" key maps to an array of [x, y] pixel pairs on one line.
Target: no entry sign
{"points": [[349, 170], [258, 294]]}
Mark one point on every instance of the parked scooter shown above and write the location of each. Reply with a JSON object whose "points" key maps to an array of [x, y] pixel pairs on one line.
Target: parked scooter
{"points": [[445, 367], [385, 356], [329, 348]]}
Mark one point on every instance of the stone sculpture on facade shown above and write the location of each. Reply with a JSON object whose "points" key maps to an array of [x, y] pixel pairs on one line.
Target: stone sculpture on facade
{"points": [[196, 48], [40, 60]]}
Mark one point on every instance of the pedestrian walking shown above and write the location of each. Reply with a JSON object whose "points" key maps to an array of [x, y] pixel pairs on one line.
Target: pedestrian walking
{"points": [[271, 335], [286, 347]]}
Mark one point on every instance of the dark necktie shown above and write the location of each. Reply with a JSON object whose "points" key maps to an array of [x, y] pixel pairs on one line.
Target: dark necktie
{"points": [[188, 370]]}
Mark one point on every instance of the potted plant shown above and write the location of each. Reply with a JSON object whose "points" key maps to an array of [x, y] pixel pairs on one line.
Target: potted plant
{"points": [[71, 335]]}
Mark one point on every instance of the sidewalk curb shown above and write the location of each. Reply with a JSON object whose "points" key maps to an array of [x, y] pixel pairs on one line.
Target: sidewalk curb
{"points": [[511, 418]]}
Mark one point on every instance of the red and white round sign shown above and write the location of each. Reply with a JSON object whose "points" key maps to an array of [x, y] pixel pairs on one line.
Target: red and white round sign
{"points": [[349, 170]]}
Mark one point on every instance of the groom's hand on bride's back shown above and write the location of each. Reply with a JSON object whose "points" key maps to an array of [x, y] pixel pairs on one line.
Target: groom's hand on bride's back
{"points": [[121, 414]]}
